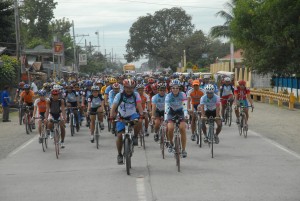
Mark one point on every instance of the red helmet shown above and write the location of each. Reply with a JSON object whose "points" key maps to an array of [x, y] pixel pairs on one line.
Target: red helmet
{"points": [[150, 80], [129, 83], [116, 86], [242, 82], [55, 92], [21, 84], [154, 86]]}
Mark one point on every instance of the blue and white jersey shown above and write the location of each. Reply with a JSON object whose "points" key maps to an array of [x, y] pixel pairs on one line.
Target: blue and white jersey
{"points": [[87, 93], [226, 90], [71, 97], [159, 101], [210, 103], [175, 102], [111, 96], [95, 101], [127, 106], [108, 89]]}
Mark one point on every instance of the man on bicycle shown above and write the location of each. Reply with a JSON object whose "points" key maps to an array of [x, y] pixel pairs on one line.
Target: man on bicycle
{"points": [[158, 108], [95, 107], [40, 105], [56, 108], [112, 94], [210, 107], [146, 105], [242, 96], [194, 95], [85, 95], [72, 100], [26, 98], [226, 94], [126, 104], [176, 105]]}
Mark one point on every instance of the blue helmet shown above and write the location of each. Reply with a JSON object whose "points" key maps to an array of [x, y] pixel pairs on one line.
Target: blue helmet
{"points": [[42, 92], [175, 82], [88, 83], [26, 86]]}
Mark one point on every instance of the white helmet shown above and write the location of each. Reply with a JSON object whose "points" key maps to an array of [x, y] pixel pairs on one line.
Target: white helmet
{"points": [[56, 87], [227, 79], [206, 77], [95, 88], [209, 88]]}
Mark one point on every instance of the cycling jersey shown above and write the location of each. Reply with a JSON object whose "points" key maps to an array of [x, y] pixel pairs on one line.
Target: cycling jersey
{"points": [[28, 97], [159, 101], [41, 105], [210, 103], [108, 89], [111, 97], [127, 106], [87, 93], [242, 94], [71, 97], [102, 90], [145, 99], [195, 96], [226, 90], [175, 104], [95, 101]]}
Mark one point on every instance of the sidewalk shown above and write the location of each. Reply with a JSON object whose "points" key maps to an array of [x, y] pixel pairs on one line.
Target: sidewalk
{"points": [[278, 124]]}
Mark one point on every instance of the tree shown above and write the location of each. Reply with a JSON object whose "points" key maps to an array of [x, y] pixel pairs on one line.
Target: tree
{"points": [[268, 31], [159, 36], [7, 28], [8, 70]]}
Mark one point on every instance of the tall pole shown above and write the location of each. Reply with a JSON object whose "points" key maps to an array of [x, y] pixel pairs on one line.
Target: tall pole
{"points": [[97, 33], [184, 61], [112, 55], [74, 47], [231, 56], [17, 29]]}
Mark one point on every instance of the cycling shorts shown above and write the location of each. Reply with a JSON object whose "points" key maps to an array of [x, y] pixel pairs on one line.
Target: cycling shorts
{"points": [[210, 113], [121, 126], [223, 102], [243, 103], [196, 106], [159, 113], [173, 113]]}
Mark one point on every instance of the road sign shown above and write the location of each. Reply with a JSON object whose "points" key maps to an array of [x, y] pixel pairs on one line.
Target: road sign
{"points": [[195, 68]]}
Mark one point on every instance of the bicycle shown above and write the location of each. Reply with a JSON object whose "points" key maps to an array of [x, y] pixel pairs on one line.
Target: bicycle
{"points": [[109, 124], [142, 135], [151, 124], [243, 127], [27, 119], [211, 133], [228, 112], [57, 134], [44, 134], [20, 114], [162, 136], [73, 122], [177, 141], [198, 121], [97, 129]]}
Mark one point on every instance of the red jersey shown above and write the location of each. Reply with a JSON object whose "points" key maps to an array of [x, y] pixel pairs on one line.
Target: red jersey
{"points": [[242, 94]]}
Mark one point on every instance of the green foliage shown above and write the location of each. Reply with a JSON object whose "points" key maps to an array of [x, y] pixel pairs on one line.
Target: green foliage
{"points": [[268, 31], [8, 71], [189, 65]]}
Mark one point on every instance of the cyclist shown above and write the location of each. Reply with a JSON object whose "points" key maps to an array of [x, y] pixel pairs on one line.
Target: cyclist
{"points": [[126, 104], [85, 95], [19, 91], [226, 94], [158, 108], [40, 105], [176, 104], [145, 104], [26, 98], [112, 94], [95, 107], [242, 94], [194, 95], [210, 107], [207, 80], [56, 108], [72, 100]]}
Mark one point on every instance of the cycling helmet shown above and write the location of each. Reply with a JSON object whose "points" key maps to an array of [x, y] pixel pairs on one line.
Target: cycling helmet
{"points": [[140, 86], [99, 81], [227, 79], [161, 86], [45, 85], [95, 88], [175, 83], [150, 80], [42, 92], [128, 83], [88, 83], [139, 78], [206, 77], [55, 92], [209, 88], [26, 86], [21, 84], [56, 87], [112, 80], [242, 82], [116, 86]]}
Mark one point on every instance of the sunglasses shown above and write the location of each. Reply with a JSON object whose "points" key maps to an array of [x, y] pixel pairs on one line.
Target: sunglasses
{"points": [[175, 87], [209, 92]]}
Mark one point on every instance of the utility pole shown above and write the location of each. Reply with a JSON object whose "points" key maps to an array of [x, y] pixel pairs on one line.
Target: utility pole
{"points": [[17, 29], [112, 55], [97, 33], [74, 47]]}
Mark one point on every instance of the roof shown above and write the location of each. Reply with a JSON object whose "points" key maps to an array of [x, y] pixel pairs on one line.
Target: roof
{"points": [[38, 50], [237, 56]]}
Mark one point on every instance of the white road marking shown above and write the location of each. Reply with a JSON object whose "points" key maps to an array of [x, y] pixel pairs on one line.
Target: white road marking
{"points": [[22, 147], [140, 188], [279, 146]]}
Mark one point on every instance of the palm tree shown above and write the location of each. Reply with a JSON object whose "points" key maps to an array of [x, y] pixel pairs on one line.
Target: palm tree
{"points": [[224, 30]]}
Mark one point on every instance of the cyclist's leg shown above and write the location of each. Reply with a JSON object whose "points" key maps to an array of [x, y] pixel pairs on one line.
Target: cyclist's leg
{"points": [[182, 129], [223, 106], [63, 131], [170, 132], [120, 130], [146, 122], [92, 122], [40, 126]]}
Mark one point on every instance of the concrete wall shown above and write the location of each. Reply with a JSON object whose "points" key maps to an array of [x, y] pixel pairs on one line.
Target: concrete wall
{"points": [[260, 81]]}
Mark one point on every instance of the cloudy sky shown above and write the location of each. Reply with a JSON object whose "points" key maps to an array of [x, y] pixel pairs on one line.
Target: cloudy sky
{"points": [[113, 18]]}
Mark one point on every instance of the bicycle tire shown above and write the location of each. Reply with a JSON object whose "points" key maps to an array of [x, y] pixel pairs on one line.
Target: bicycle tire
{"points": [[56, 143], [97, 136], [212, 142], [230, 117], [177, 153], [26, 123], [42, 136], [108, 124], [29, 123], [72, 124], [127, 155], [162, 142], [244, 128], [20, 116], [226, 116], [46, 138], [199, 137], [240, 126]]}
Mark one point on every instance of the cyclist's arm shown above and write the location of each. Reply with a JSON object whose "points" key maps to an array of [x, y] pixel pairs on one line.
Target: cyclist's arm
{"points": [[153, 109], [113, 110], [250, 99], [202, 110], [102, 106], [140, 108], [47, 109], [105, 99], [63, 109], [218, 110], [82, 100], [34, 109]]}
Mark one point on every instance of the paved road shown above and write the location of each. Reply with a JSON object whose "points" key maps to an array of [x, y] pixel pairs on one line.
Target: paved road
{"points": [[255, 168]]}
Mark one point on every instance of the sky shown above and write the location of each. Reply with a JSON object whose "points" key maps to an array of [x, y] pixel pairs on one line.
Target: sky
{"points": [[112, 19]]}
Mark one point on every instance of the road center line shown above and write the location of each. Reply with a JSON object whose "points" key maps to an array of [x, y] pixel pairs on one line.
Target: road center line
{"points": [[140, 188], [21, 147], [279, 146]]}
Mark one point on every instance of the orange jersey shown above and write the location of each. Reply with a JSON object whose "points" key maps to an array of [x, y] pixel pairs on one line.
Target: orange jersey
{"points": [[41, 105], [145, 98], [28, 97], [195, 96]]}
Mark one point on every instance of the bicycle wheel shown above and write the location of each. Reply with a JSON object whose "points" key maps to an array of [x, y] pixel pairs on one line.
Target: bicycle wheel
{"points": [[43, 142], [212, 143], [199, 132], [56, 143], [97, 136], [245, 129], [108, 124], [240, 126], [226, 116], [177, 153], [20, 116], [72, 124], [127, 155], [162, 141], [29, 123], [26, 123], [45, 138]]}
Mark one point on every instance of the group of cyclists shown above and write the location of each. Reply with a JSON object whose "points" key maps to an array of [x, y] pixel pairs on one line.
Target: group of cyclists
{"points": [[157, 99]]}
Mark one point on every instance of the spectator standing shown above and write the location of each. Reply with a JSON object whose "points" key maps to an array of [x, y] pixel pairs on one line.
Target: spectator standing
{"points": [[5, 104]]}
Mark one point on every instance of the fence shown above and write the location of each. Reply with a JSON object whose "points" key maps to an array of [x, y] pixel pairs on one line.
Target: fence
{"points": [[281, 97]]}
